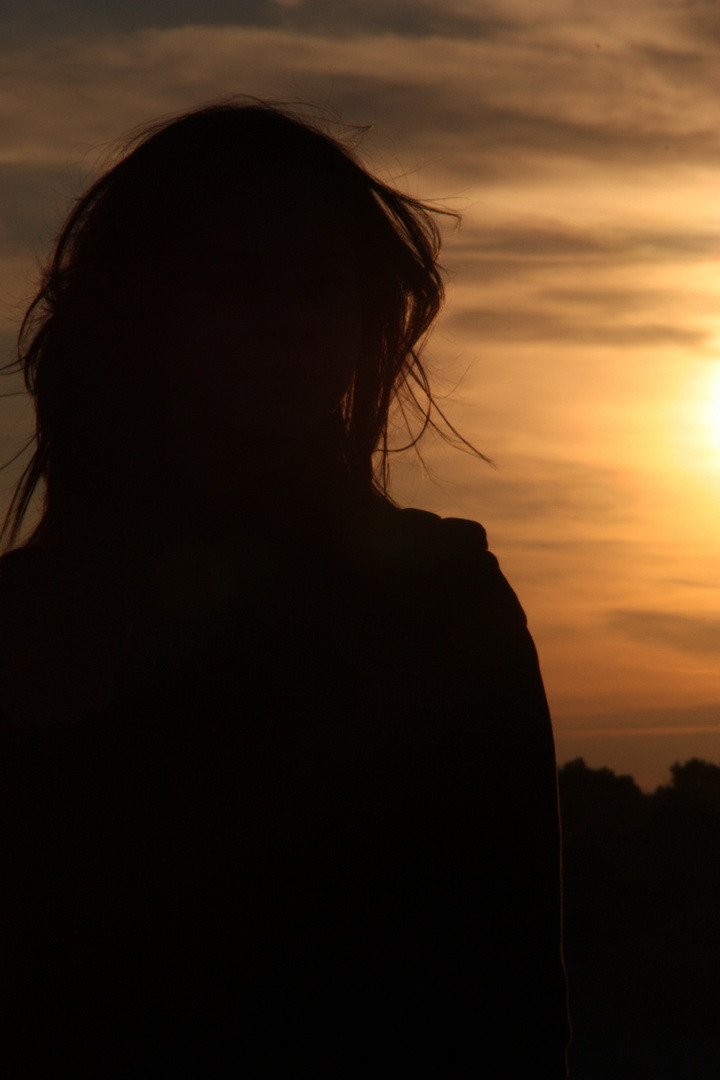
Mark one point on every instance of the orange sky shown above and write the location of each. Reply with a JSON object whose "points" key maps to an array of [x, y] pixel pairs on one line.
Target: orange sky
{"points": [[580, 347]]}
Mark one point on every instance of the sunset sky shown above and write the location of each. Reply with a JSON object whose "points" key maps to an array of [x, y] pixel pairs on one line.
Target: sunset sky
{"points": [[580, 345]]}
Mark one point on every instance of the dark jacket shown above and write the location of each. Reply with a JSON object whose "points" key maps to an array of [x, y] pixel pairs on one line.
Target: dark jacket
{"points": [[301, 810]]}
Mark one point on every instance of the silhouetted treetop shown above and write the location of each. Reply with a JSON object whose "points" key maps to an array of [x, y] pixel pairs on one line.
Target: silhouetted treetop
{"points": [[697, 779], [597, 800]]}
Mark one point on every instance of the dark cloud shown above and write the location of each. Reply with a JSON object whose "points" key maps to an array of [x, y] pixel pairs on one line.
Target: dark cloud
{"points": [[701, 21], [522, 110], [486, 129], [616, 300], [532, 241], [488, 141], [403, 18], [328, 18], [558, 241], [534, 324], [579, 315], [688, 633], [682, 65]]}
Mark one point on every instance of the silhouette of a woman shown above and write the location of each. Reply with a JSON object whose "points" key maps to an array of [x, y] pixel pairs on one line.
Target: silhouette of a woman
{"points": [[278, 772]]}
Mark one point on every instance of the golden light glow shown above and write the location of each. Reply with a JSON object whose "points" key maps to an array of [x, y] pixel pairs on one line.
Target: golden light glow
{"points": [[694, 418], [711, 410]]}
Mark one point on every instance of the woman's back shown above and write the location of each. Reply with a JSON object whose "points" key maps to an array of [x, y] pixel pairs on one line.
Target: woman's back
{"points": [[295, 828]]}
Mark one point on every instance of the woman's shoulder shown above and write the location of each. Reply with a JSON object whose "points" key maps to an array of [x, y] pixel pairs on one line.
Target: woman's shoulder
{"points": [[420, 540], [442, 570], [401, 532], [446, 536]]}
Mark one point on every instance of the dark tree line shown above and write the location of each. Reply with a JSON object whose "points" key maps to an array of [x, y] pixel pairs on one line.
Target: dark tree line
{"points": [[642, 922]]}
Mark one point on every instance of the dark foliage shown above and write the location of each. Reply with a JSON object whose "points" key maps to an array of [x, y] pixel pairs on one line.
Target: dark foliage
{"points": [[642, 935]]}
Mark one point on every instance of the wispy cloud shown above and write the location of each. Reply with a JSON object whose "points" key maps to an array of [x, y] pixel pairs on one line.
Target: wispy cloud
{"points": [[694, 584], [560, 241], [528, 324], [326, 18], [547, 490], [490, 85], [688, 633]]}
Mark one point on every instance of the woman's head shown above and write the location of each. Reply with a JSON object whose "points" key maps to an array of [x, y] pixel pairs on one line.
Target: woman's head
{"points": [[235, 288]]}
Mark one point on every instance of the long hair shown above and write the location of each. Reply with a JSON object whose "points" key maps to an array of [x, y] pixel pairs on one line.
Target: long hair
{"points": [[76, 344]]}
